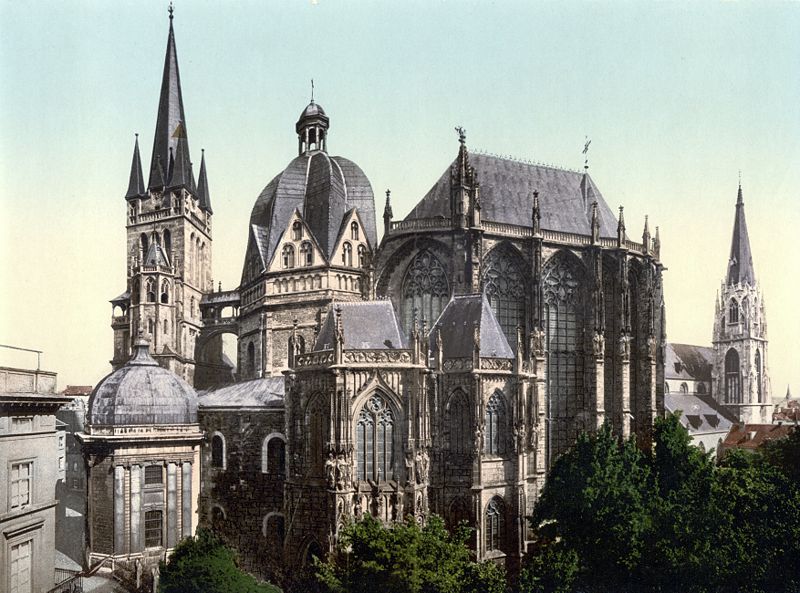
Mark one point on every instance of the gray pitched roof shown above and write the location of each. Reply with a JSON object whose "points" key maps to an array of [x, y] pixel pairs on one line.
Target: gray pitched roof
{"points": [[202, 186], [322, 188], [740, 263], [457, 323], [688, 362], [698, 414], [156, 256], [170, 116], [507, 187], [136, 181], [266, 392], [367, 325]]}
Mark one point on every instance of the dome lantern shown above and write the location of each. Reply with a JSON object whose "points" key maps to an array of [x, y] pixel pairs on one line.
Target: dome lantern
{"points": [[312, 129]]}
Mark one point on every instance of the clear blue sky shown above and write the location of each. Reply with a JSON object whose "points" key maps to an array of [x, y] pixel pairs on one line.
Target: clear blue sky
{"points": [[676, 97]]}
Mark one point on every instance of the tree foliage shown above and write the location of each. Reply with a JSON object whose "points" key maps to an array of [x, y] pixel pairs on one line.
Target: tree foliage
{"points": [[406, 558], [203, 564], [613, 517]]}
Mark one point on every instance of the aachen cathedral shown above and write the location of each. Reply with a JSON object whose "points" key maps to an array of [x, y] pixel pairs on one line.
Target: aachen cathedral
{"points": [[440, 370]]}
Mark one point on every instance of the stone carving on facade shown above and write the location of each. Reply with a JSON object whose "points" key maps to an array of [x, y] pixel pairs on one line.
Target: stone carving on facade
{"points": [[651, 346], [421, 464], [537, 342], [625, 348], [598, 345], [478, 440]]}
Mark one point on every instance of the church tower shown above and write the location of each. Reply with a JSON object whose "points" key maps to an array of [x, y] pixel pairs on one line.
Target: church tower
{"points": [[740, 376], [168, 239]]}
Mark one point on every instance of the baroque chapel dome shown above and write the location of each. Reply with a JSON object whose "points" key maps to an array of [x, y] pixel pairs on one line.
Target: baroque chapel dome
{"points": [[142, 393]]}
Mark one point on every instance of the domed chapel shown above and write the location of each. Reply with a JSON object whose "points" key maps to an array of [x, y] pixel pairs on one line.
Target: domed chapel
{"points": [[440, 370]]}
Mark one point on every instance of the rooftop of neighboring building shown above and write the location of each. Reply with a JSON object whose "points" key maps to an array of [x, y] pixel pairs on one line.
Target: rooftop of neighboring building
{"points": [[753, 436], [365, 325], [266, 392], [699, 414], [77, 390]]}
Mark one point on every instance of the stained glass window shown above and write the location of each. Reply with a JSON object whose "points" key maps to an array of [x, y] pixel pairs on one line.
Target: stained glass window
{"points": [[504, 287], [425, 289], [458, 424], [375, 441], [494, 438], [495, 524], [733, 387]]}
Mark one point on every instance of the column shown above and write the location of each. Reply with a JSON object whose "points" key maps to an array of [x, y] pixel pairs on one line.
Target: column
{"points": [[136, 508], [172, 505], [186, 499], [119, 509]]}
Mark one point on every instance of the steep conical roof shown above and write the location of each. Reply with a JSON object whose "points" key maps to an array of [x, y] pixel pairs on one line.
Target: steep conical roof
{"points": [[181, 174], [202, 186], [740, 263], [136, 181], [171, 118]]}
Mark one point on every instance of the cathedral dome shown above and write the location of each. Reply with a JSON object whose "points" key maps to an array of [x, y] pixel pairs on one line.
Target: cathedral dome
{"points": [[313, 109], [141, 392]]}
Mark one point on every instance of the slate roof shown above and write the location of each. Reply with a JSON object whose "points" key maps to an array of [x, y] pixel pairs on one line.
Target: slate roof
{"points": [[202, 186], [698, 415], [740, 263], [141, 392], [693, 362], [506, 193], [322, 188], [266, 392], [136, 180], [156, 256], [367, 325], [457, 323]]}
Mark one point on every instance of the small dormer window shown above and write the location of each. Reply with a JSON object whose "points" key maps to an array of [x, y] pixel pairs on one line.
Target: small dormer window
{"points": [[362, 256], [297, 231], [288, 256], [347, 255], [307, 254], [354, 231]]}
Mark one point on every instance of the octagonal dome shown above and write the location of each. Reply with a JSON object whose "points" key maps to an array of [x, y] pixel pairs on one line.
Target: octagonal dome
{"points": [[141, 393]]}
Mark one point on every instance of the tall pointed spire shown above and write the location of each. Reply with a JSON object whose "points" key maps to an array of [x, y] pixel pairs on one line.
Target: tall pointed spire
{"points": [[170, 116], [181, 173], [202, 186], [740, 263], [136, 182]]}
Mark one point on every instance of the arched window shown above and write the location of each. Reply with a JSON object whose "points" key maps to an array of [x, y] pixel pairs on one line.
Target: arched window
{"points": [[151, 327], [362, 256], [564, 327], [168, 243], [164, 292], [135, 290], [425, 289], [354, 231], [297, 230], [145, 244], [198, 261], [347, 255], [273, 454], [192, 304], [733, 387], [494, 438], [218, 451], [733, 312], [288, 256], [156, 238], [273, 529], [375, 441], [150, 289], [684, 388], [666, 388], [251, 358], [458, 512], [458, 425], [495, 524], [504, 287], [758, 375], [217, 514], [306, 254], [166, 327]]}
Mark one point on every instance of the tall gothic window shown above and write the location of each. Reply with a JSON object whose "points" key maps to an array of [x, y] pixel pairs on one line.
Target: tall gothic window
{"points": [[150, 289], [168, 243], [288, 256], [494, 437], [758, 374], [251, 358], [375, 441], [504, 287], [425, 289], [733, 387], [733, 312], [164, 292], [495, 524], [306, 254], [347, 255], [563, 318], [145, 244], [458, 424]]}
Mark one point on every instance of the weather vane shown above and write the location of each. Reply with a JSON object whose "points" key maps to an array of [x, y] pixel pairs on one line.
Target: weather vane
{"points": [[171, 9], [462, 134], [312, 90], [586, 153]]}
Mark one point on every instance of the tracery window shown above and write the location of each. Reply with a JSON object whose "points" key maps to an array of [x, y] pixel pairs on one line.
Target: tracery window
{"points": [[758, 374], [375, 441], [150, 289], [504, 287], [733, 387], [347, 255], [458, 424], [362, 256], [494, 438], [306, 254], [354, 231], [563, 317], [425, 289], [733, 312], [164, 292], [495, 524], [288, 256]]}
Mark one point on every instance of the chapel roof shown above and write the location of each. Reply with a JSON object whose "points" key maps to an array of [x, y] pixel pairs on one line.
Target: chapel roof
{"points": [[366, 325], [457, 326]]}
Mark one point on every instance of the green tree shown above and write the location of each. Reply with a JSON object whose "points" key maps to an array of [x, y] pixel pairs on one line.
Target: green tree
{"points": [[406, 558], [203, 564]]}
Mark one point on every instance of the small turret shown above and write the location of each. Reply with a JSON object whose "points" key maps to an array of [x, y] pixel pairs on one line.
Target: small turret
{"points": [[646, 236], [387, 213], [536, 214], [136, 182], [621, 228], [202, 186], [595, 224]]}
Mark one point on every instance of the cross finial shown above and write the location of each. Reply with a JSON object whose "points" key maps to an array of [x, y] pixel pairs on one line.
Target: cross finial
{"points": [[586, 152], [462, 134], [171, 9], [312, 90]]}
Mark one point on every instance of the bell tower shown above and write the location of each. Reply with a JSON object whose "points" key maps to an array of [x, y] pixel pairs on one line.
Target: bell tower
{"points": [[740, 375], [168, 239]]}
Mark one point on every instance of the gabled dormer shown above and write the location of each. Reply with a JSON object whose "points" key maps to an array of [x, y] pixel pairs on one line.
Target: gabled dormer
{"points": [[297, 248], [352, 249]]}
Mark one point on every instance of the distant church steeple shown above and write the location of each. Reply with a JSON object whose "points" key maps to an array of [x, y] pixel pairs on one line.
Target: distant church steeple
{"points": [[740, 375]]}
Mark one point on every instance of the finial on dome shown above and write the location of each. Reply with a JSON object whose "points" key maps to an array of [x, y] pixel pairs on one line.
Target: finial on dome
{"points": [[586, 153], [312, 90], [171, 10]]}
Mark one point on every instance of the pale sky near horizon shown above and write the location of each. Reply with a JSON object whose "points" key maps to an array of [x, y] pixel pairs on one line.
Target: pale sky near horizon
{"points": [[676, 98]]}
